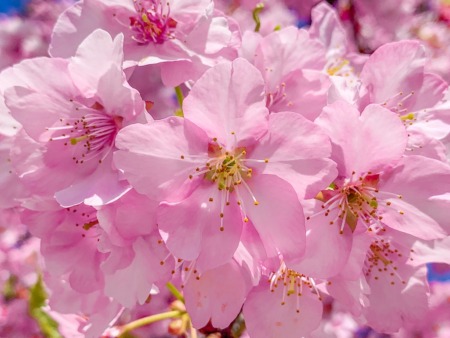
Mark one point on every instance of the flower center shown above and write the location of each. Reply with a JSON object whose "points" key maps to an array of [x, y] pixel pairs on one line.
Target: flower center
{"points": [[400, 104], [227, 168], [355, 199], [86, 220], [293, 284], [153, 23], [278, 97], [382, 260], [90, 135]]}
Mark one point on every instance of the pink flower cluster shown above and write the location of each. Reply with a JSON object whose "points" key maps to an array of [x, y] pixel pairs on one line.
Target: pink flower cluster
{"points": [[292, 175]]}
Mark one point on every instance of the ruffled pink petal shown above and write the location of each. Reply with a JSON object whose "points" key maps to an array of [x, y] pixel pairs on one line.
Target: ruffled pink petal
{"points": [[397, 305], [360, 143], [266, 317], [431, 92], [77, 22], [208, 299], [103, 186], [239, 108], [405, 217], [304, 92], [297, 151], [278, 217], [328, 29], [156, 158], [421, 143], [350, 294], [437, 251], [49, 100], [133, 215], [285, 51], [250, 253], [400, 62], [139, 276], [323, 238], [219, 246], [419, 180], [192, 228], [94, 57]]}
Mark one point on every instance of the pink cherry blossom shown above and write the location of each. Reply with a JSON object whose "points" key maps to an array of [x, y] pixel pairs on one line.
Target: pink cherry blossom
{"points": [[187, 35], [215, 172], [79, 115], [135, 252], [373, 186], [411, 93]]}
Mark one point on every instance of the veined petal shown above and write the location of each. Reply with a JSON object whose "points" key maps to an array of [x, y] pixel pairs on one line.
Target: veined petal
{"points": [[265, 317], [192, 228], [297, 151], [278, 216], [236, 106], [208, 299], [156, 157], [360, 143]]}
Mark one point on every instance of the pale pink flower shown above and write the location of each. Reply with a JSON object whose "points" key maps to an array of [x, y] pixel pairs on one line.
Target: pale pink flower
{"points": [[292, 65], [28, 35], [383, 22], [398, 298], [69, 240], [185, 37], [381, 282], [78, 116], [377, 186], [136, 254], [229, 168], [411, 92]]}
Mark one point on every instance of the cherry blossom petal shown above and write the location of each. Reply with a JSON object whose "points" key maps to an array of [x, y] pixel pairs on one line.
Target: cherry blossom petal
{"points": [[278, 217], [297, 151], [397, 305], [417, 179], [360, 143], [327, 250], [144, 270], [208, 299], [400, 62], [237, 105], [266, 317], [156, 158], [192, 228]]}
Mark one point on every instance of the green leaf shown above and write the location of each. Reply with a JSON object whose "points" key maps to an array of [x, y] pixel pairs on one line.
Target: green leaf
{"points": [[38, 296]]}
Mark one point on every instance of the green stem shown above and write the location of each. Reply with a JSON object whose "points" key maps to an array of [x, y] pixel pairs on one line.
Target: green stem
{"points": [[174, 291], [180, 96], [149, 320], [259, 7]]}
